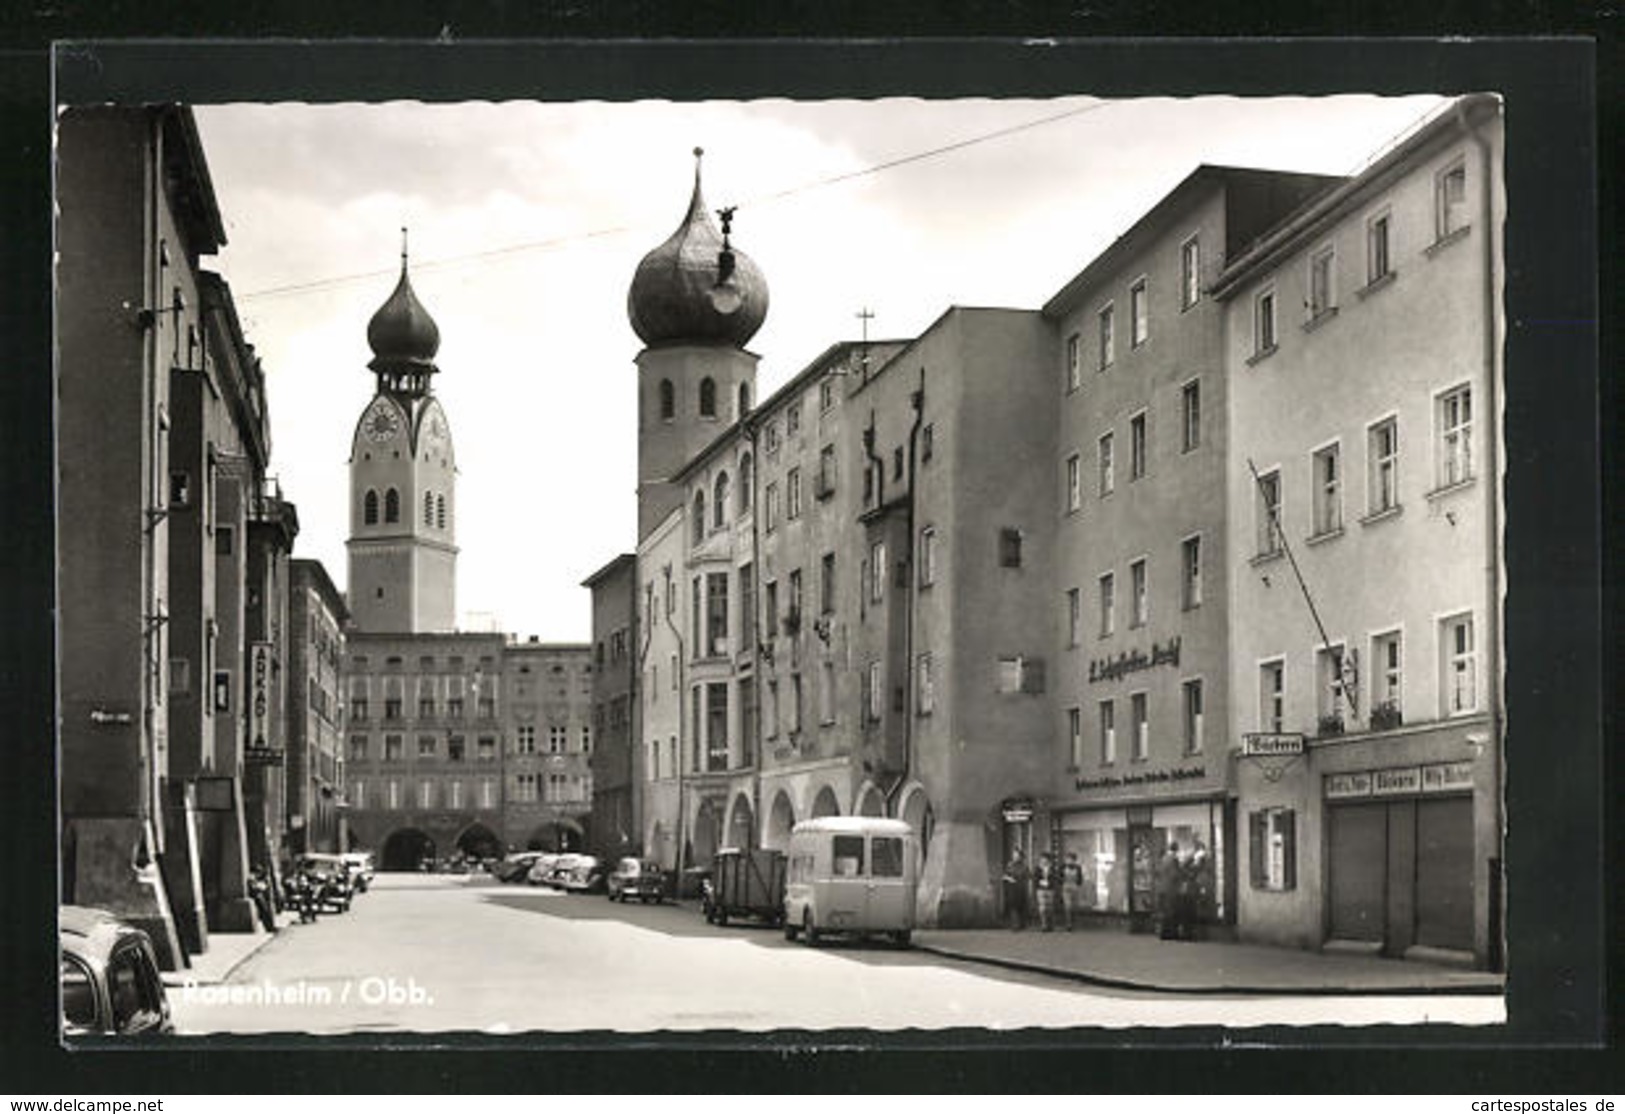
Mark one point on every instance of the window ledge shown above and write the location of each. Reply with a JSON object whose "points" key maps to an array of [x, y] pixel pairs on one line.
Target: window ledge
{"points": [[1451, 489], [1266, 558], [1319, 319], [1381, 516], [1261, 355], [1377, 284], [1446, 240], [1324, 536]]}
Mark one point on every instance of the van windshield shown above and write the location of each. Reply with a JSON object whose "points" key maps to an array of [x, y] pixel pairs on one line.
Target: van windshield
{"points": [[888, 857], [848, 856]]}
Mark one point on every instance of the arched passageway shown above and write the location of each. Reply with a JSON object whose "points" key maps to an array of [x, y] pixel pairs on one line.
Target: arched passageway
{"points": [[741, 824], [707, 833], [780, 819], [406, 849], [825, 803], [562, 834], [479, 842], [870, 802]]}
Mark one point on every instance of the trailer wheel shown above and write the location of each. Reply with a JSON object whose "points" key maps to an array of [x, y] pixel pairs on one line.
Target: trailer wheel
{"points": [[722, 916], [901, 937], [790, 928], [809, 927]]}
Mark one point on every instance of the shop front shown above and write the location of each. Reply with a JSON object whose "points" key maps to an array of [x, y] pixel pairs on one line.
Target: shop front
{"points": [[1118, 849], [1400, 858]]}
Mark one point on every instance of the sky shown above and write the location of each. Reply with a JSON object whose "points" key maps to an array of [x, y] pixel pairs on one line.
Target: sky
{"points": [[527, 221]]}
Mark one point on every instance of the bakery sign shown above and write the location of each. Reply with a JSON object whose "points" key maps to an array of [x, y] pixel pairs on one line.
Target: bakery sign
{"points": [[1440, 777]]}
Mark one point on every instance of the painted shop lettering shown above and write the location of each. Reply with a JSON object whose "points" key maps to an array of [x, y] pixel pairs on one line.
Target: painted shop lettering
{"points": [[1133, 661], [1147, 777]]}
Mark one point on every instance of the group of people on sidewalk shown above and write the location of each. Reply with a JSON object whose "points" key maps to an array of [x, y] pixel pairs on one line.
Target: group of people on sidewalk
{"points": [[1054, 891], [1054, 888], [1184, 889]]}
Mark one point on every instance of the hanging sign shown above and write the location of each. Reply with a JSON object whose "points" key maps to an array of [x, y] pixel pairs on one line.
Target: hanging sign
{"points": [[1267, 744]]}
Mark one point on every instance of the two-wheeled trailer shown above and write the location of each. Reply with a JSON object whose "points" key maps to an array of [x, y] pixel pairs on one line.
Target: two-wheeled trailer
{"points": [[746, 884]]}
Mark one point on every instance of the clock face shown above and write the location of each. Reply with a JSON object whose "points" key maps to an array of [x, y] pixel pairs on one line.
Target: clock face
{"points": [[381, 424]]}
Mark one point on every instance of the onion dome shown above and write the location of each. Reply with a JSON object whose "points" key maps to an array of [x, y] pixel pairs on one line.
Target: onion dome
{"points": [[696, 288], [403, 337]]}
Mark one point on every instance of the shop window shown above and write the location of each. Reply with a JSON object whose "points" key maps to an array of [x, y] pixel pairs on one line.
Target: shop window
{"points": [[1273, 849]]}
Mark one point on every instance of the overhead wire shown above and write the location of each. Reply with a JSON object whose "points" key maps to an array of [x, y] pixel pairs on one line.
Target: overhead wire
{"points": [[764, 199]]}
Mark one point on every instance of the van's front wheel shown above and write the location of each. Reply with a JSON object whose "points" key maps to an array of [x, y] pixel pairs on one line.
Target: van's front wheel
{"points": [[901, 937]]}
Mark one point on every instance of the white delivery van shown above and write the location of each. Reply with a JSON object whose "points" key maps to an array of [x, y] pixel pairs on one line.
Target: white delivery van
{"points": [[851, 874]]}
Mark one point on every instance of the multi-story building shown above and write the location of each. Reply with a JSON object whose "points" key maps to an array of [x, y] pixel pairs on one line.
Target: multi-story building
{"points": [[1364, 340], [137, 215], [991, 580], [1141, 688], [548, 722], [424, 745], [660, 657], [314, 819], [169, 783], [614, 763]]}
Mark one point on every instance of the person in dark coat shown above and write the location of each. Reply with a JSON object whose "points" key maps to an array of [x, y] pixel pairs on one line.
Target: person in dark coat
{"points": [[1015, 881], [1167, 893], [1202, 909], [1047, 884]]}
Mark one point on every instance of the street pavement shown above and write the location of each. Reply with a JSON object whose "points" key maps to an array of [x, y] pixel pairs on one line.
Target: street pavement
{"points": [[439, 953]]}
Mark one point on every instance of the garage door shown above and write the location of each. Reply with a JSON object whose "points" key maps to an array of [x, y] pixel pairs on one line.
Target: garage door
{"points": [[1358, 870], [1444, 873]]}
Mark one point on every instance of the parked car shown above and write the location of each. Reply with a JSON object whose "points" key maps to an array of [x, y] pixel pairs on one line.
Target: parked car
{"points": [[515, 867], [544, 871], [361, 868], [335, 882], [110, 981], [585, 876], [643, 879]]}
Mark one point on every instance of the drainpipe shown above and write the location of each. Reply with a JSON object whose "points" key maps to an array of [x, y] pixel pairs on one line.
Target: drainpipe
{"points": [[911, 697], [747, 429], [682, 719], [1492, 515]]}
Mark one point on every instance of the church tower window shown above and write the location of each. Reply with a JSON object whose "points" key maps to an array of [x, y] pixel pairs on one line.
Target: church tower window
{"points": [[744, 400], [699, 517], [668, 401], [428, 508], [708, 397], [392, 505], [369, 508], [440, 511]]}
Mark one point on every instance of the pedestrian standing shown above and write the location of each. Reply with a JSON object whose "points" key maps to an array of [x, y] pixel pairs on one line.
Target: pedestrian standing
{"points": [[1072, 888], [1202, 890], [1015, 891], [1185, 897], [1046, 882], [1167, 893]]}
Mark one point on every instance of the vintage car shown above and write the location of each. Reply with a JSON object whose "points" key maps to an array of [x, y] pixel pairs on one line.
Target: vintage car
{"points": [[585, 876], [643, 879], [110, 981], [361, 868], [514, 867]]}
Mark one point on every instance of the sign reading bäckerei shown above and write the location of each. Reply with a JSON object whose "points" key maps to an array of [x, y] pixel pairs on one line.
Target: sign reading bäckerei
{"points": [[1267, 744], [1438, 778]]}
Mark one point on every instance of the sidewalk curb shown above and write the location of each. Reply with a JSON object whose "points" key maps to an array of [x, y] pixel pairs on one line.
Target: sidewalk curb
{"points": [[1120, 983], [188, 977]]}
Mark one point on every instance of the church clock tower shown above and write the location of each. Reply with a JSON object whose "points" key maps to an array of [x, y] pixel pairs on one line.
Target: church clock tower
{"points": [[403, 481]]}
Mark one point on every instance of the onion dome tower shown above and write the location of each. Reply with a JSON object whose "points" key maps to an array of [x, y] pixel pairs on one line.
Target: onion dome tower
{"points": [[695, 302], [403, 479]]}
